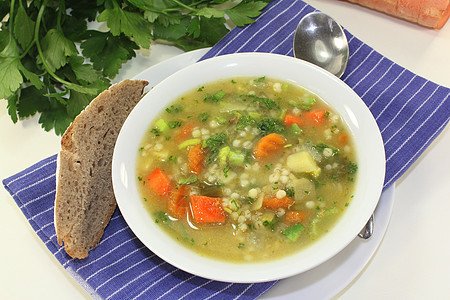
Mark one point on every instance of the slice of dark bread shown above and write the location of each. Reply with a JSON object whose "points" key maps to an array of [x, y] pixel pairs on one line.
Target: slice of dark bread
{"points": [[85, 199]]}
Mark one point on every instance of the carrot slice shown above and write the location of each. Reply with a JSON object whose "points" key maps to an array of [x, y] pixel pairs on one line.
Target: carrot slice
{"points": [[295, 216], [290, 120], [276, 203], [268, 145], [343, 139], [316, 117], [207, 209], [178, 202], [185, 132], [159, 182], [196, 158]]}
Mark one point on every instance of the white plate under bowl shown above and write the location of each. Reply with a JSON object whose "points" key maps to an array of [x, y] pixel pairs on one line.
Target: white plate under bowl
{"points": [[343, 100], [330, 278]]}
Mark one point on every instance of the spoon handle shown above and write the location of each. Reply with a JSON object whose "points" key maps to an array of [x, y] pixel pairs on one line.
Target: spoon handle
{"points": [[367, 231]]}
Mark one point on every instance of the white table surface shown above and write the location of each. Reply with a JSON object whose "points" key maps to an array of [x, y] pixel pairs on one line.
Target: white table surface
{"points": [[412, 261]]}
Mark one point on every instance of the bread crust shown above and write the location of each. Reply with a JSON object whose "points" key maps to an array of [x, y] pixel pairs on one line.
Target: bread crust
{"points": [[84, 201]]}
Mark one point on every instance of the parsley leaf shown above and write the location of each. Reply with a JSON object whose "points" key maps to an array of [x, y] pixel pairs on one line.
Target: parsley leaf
{"points": [[76, 103], [30, 102], [10, 77], [130, 23], [108, 52], [56, 49], [23, 27], [242, 13]]}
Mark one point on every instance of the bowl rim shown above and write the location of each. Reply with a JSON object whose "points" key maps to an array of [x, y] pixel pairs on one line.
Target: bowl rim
{"points": [[123, 168]]}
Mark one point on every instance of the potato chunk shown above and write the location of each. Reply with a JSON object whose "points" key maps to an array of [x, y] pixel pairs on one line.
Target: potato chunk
{"points": [[304, 190], [302, 162]]}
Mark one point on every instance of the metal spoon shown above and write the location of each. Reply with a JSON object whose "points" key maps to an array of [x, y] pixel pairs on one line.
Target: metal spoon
{"points": [[320, 40]]}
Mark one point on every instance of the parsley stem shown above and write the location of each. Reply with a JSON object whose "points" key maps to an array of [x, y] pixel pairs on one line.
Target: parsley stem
{"points": [[68, 85], [61, 9], [25, 52], [185, 6], [11, 18]]}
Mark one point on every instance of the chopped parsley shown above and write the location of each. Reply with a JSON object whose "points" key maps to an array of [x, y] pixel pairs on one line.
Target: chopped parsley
{"points": [[320, 147], [203, 117], [155, 131], [243, 122], [174, 124], [266, 102], [161, 217], [352, 168], [290, 192], [174, 109], [235, 204], [225, 171], [260, 79], [268, 126], [214, 142], [271, 225], [216, 97]]}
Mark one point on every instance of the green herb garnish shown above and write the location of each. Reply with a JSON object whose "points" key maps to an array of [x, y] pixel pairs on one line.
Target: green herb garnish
{"points": [[268, 126], [290, 192], [203, 117], [214, 142], [352, 168], [243, 122]]}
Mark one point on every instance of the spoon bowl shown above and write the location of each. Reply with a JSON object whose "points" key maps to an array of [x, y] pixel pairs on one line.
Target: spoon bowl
{"points": [[320, 40]]}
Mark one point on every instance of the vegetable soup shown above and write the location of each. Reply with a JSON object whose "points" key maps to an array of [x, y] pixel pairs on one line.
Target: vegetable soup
{"points": [[247, 169]]}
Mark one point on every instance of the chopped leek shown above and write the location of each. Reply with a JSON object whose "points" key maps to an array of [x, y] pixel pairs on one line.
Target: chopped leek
{"points": [[293, 232], [190, 142], [162, 125]]}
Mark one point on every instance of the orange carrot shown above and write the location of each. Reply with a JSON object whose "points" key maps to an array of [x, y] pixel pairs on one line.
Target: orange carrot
{"points": [[268, 145], [178, 202], [295, 216], [343, 139], [207, 209], [290, 120], [428, 13], [276, 203], [185, 132], [196, 158], [159, 182], [316, 117]]}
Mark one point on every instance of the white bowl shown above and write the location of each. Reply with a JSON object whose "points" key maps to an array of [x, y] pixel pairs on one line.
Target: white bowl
{"points": [[368, 143]]}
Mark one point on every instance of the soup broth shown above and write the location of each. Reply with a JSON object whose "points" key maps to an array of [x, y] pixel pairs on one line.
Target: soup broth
{"points": [[247, 169]]}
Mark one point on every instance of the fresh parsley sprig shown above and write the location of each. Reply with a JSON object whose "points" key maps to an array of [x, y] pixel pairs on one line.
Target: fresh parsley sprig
{"points": [[52, 64]]}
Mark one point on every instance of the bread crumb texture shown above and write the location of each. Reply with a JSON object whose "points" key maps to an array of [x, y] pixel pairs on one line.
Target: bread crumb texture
{"points": [[85, 199]]}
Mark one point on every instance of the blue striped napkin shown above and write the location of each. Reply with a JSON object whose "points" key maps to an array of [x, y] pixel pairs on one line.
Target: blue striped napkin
{"points": [[411, 111]]}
